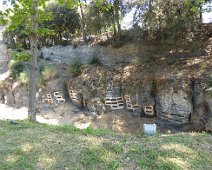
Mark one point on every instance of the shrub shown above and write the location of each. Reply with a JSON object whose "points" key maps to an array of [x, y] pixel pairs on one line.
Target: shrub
{"points": [[22, 56], [103, 79], [24, 77], [41, 55], [95, 60], [75, 45], [48, 59], [149, 58], [137, 61], [16, 67], [146, 59], [47, 72], [76, 67], [2, 84], [209, 82], [116, 43], [64, 43]]}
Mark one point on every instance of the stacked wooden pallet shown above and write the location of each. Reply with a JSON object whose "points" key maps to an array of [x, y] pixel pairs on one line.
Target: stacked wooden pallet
{"points": [[129, 104], [149, 110], [115, 103], [48, 100], [175, 118], [74, 96], [57, 97]]}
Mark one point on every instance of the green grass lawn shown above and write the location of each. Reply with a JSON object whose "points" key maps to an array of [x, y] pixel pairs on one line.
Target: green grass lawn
{"points": [[37, 146]]}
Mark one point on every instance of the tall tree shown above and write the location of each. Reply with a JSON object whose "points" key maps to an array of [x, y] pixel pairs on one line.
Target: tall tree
{"points": [[64, 20], [82, 20], [80, 3], [116, 9], [25, 13], [34, 53]]}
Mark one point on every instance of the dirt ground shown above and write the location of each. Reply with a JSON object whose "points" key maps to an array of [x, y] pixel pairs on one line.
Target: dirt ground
{"points": [[68, 114], [119, 121]]}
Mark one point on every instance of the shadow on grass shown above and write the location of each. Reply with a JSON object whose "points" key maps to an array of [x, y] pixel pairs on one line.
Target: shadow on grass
{"points": [[38, 146]]}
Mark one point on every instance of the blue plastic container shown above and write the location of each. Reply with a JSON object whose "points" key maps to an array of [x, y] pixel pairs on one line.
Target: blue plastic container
{"points": [[149, 129]]}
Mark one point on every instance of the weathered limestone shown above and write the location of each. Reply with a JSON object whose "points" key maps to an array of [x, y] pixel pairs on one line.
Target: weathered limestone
{"points": [[63, 54], [174, 102]]}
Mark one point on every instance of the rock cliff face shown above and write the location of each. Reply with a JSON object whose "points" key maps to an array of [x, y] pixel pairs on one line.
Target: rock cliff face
{"points": [[108, 56], [176, 89], [175, 101]]}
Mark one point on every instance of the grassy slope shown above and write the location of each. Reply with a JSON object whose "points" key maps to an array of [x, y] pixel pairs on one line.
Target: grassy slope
{"points": [[37, 146]]}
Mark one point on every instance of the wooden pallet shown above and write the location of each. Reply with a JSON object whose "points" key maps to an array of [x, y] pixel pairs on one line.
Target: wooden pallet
{"points": [[50, 100], [129, 104], [149, 110], [175, 118], [73, 95], [114, 102], [59, 98]]}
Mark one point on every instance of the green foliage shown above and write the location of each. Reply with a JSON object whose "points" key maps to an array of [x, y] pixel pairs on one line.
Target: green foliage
{"points": [[95, 132], [47, 72], [145, 59], [116, 42], [76, 67], [115, 148], [208, 87], [24, 77], [65, 43], [48, 59], [103, 79], [2, 84], [75, 44], [92, 157], [22, 56], [166, 20], [95, 60], [113, 165], [65, 21], [160, 152], [209, 82], [16, 67], [137, 61], [98, 19]]}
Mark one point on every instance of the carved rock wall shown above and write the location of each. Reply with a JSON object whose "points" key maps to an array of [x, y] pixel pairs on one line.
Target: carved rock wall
{"points": [[176, 101]]}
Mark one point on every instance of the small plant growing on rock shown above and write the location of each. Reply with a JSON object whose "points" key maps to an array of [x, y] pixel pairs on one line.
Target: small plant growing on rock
{"points": [[2, 84], [16, 67], [24, 77], [95, 60], [147, 59], [76, 67], [47, 72], [103, 79], [209, 82], [137, 61], [75, 45], [48, 59]]}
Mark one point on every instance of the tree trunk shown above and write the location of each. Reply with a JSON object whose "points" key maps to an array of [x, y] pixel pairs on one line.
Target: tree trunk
{"points": [[59, 37], [200, 14], [33, 73], [118, 22], [82, 23], [113, 22]]}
